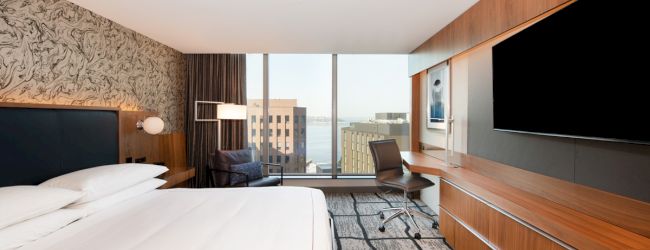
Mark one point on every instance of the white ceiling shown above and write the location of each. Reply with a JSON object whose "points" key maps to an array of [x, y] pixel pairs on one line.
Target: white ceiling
{"points": [[283, 26]]}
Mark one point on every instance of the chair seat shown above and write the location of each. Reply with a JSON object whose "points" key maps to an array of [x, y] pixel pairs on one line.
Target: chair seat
{"points": [[407, 182], [264, 182]]}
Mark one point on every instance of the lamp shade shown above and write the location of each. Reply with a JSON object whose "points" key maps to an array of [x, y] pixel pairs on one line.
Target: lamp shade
{"points": [[231, 112], [153, 125]]}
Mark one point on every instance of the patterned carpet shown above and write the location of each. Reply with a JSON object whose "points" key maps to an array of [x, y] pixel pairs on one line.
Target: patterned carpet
{"points": [[356, 223]]}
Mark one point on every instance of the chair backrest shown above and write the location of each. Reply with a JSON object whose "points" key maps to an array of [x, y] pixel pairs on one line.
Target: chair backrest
{"points": [[387, 158], [224, 159], [238, 156]]}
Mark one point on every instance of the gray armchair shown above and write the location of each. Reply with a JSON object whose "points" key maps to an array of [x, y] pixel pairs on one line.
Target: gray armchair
{"points": [[236, 168]]}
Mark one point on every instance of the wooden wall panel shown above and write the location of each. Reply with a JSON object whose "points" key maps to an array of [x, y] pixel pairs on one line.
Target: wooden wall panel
{"points": [[174, 155], [163, 148], [483, 21], [415, 112], [136, 143]]}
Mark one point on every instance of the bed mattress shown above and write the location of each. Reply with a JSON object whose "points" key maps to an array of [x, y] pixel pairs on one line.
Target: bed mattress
{"points": [[284, 218]]}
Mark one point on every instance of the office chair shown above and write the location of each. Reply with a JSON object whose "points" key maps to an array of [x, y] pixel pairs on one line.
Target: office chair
{"points": [[389, 173]]}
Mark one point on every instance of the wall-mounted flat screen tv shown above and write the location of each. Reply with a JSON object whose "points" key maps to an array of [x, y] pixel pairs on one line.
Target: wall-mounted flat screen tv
{"points": [[582, 72]]}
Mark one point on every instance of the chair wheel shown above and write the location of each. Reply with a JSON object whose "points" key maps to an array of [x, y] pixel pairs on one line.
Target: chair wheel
{"points": [[382, 229], [435, 225], [381, 215], [418, 236]]}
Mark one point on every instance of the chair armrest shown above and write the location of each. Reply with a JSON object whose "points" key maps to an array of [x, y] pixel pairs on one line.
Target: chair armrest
{"points": [[268, 165], [231, 172]]}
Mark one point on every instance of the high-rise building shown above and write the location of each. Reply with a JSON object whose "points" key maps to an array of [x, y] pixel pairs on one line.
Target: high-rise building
{"points": [[355, 154], [287, 133]]}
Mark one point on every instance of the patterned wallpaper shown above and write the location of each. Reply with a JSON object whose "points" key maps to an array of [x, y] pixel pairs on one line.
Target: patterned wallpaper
{"points": [[56, 52]]}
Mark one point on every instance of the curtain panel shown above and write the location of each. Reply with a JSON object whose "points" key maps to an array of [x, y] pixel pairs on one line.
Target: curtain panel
{"points": [[220, 78]]}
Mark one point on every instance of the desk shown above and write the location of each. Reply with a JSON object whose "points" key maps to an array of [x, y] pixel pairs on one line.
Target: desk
{"points": [[481, 209]]}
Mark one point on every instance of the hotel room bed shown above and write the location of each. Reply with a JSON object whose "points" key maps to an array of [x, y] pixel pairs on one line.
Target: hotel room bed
{"points": [[39, 144], [247, 218]]}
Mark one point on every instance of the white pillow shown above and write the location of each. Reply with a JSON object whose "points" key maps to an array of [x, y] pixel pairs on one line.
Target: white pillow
{"points": [[128, 193], [101, 181], [17, 235], [20, 203]]}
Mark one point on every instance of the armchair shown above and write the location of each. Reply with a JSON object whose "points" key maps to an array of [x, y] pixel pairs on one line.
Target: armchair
{"points": [[236, 168]]}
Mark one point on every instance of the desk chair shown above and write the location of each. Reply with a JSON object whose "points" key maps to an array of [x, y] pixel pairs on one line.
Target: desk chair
{"points": [[389, 173]]}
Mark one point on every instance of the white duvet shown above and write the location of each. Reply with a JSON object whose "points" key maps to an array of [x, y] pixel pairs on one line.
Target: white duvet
{"points": [[284, 218]]}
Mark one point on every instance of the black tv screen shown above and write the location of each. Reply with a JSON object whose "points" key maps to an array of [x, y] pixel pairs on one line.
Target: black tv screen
{"points": [[581, 72]]}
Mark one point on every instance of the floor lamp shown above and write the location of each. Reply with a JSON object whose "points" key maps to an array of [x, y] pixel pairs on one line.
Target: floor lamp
{"points": [[229, 111], [225, 111]]}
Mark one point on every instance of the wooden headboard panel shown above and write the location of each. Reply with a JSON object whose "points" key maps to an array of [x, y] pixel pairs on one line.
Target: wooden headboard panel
{"points": [[38, 142]]}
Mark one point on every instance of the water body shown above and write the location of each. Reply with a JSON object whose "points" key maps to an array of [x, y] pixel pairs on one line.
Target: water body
{"points": [[319, 142]]}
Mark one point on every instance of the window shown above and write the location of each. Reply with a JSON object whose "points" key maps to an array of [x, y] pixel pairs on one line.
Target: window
{"points": [[364, 117], [300, 85], [288, 74], [254, 96]]}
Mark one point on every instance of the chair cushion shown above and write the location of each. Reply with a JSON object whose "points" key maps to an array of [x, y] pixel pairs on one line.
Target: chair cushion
{"points": [[238, 156], [407, 182], [252, 169], [265, 182]]}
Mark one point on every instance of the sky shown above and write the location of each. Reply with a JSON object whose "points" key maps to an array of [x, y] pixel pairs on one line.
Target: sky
{"points": [[367, 84]]}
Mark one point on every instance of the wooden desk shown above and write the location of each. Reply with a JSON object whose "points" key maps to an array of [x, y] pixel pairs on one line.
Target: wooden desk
{"points": [[480, 208]]}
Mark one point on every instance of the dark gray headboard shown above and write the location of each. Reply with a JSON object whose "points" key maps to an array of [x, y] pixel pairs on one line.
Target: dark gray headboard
{"points": [[37, 144]]}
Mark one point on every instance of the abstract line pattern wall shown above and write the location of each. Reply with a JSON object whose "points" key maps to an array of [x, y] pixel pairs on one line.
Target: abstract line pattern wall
{"points": [[56, 52]]}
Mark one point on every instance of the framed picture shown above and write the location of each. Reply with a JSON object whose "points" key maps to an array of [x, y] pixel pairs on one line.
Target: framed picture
{"points": [[437, 95]]}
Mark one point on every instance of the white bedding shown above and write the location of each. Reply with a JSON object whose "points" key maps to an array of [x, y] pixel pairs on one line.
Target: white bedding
{"points": [[284, 218]]}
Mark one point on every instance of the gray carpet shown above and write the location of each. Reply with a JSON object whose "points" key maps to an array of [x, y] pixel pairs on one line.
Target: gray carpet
{"points": [[356, 223]]}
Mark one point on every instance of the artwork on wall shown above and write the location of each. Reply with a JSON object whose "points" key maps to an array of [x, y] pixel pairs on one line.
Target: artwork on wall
{"points": [[437, 95]]}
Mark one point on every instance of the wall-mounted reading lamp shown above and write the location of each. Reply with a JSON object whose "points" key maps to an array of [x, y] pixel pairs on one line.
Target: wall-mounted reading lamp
{"points": [[152, 125]]}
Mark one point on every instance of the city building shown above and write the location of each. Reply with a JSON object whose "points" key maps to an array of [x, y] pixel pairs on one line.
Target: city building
{"points": [[355, 156], [287, 133]]}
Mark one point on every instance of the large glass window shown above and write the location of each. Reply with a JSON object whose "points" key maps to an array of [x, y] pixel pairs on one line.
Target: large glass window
{"points": [[301, 86], [254, 96], [373, 103], [374, 98]]}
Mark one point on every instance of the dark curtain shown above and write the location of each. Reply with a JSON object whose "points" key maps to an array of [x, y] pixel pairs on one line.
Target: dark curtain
{"points": [[213, 77]]}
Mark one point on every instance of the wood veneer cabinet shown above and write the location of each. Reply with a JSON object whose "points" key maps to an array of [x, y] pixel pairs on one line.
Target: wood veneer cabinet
{"points": [[509, 208], [474, 222]]}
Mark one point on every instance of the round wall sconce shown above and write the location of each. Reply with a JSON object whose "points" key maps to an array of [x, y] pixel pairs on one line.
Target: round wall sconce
{"points": [[152, 125]]}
